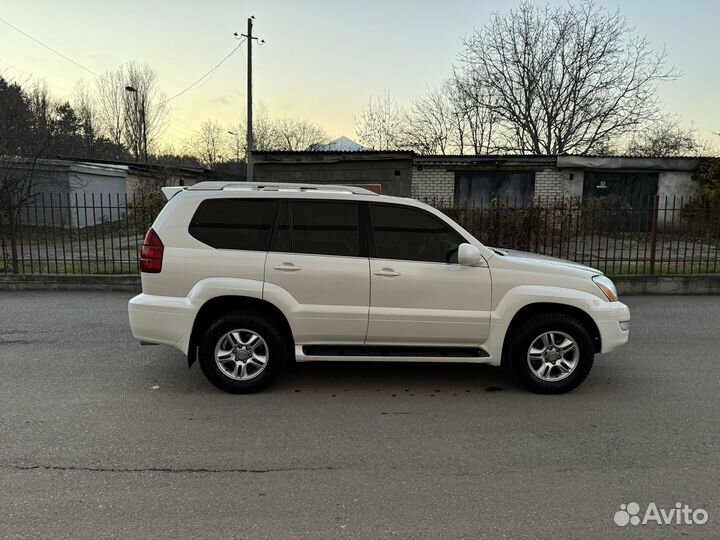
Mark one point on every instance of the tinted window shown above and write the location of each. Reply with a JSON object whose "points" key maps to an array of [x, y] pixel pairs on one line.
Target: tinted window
{"points": [[412, 235], [234, 223], [318, 227]]}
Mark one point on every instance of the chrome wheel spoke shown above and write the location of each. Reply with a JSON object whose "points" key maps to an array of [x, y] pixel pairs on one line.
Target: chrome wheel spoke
{"points": [[258, 360], [253, 341], [553, 356], [545, 370], [564, 367], [241, 354], [566, 346]]}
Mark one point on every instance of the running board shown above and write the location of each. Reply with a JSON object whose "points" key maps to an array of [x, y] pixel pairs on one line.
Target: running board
{"points": [[391, 351]]}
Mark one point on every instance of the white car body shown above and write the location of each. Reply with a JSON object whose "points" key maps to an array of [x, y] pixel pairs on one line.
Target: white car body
{"points": [[359, 301]]}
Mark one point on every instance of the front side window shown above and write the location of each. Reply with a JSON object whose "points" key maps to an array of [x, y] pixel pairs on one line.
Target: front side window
{"points": [[234, 223], [412, 235], [318, 227]]}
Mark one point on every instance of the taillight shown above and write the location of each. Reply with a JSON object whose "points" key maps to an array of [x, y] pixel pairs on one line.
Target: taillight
{"points": [[151, 254]]}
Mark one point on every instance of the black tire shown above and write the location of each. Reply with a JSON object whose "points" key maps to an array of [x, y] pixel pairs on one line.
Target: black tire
{"points": [[277, 346], [527, 332]]}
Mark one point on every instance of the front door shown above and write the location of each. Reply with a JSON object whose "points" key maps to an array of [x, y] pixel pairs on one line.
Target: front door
{"points": [[316, 271], [419, 294]]}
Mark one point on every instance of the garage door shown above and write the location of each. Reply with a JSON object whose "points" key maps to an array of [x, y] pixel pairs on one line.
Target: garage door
{"points": [[636, 190], [478, 188]]}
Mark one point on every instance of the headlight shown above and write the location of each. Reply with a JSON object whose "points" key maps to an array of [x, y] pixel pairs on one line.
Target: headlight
{"points": [[607, 287]]}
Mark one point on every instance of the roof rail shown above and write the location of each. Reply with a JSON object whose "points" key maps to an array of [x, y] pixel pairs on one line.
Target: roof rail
{"points": [[280, 186]]}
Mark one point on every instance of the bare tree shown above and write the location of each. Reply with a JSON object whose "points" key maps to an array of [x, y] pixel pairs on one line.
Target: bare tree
{"points": [[430, 124], [146, 110], [664, 139], [210, 143], [379, 125], [477, 120], [132, 108], [264, 132], [563, 79], [111, 105], [295, 134], [85, 105], [292, 134], [41, 106], [264, 135]]}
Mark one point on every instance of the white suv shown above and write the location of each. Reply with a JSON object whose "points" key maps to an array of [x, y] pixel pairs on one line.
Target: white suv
{"points": [[247, 278]]}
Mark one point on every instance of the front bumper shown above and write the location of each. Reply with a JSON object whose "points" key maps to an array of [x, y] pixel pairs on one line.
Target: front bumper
{"points": [[167, 320], [613, 322]]}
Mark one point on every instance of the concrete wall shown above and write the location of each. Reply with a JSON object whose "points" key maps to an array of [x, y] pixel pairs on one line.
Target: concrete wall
{"points": [[676, 184], [433, 182], [100, 197], [392, 172], [572, 183]]}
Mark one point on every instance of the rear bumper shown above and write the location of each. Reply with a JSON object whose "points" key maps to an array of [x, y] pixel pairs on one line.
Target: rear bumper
{"points": [[167, 320], [612, 332]]}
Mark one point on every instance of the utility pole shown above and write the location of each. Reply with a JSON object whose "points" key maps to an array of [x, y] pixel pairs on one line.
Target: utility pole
{"points": [[249, 102], [250, 39]]}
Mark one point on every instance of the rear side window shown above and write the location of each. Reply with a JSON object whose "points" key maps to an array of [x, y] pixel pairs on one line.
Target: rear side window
{"points": [[410, 234], [318, 227], [234, 223]]}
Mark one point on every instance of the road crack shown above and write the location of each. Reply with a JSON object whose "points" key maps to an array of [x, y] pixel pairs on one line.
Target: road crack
{"points": [[171, 470]]}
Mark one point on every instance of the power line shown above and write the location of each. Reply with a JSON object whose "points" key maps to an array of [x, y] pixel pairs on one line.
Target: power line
{"points": [[78, 64], [48, 47], [209, 73], [30, 76]]}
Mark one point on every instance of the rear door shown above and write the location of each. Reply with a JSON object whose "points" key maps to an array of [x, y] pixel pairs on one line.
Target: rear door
{"points": [[419, 294], [318, 263]]}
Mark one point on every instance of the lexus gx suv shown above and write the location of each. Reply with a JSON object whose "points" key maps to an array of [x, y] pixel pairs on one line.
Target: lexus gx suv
{"points": [[246, 278]]}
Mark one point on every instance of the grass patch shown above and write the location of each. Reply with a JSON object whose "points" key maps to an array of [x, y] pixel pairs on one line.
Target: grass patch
{"points": [[78, 267]]}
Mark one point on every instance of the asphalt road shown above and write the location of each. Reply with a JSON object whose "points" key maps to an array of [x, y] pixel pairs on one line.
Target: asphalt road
{"points": [[103, 438]]}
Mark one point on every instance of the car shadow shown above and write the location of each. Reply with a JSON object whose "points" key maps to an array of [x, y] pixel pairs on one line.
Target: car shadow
{"points": [[401, 376]]}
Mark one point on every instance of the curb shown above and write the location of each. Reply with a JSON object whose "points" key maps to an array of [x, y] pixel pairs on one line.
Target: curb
{"points": [[71, 282], [670, 285]]}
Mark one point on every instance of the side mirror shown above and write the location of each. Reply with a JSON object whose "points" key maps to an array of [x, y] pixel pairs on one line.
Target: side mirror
{"points": [[468, 255]]}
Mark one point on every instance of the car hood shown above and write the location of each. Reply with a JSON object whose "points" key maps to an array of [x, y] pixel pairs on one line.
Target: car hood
{"points": [[526, 256]]}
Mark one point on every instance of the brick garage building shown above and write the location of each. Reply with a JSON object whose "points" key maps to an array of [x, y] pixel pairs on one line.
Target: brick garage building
{"points": [[476, 180]]}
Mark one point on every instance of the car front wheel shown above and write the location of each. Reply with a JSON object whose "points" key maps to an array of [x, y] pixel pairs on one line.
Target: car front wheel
{"points": [[551, 353]]}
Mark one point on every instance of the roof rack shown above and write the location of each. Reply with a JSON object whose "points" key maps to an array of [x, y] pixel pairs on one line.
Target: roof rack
{"points": [[279, 186]]}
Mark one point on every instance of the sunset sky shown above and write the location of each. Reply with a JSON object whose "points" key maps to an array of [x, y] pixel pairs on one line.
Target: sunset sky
{"points": [[322, 59]]}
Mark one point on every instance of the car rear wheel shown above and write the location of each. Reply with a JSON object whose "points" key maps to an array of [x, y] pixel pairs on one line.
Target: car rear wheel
{"points": [[551, 353], [242, 353]]}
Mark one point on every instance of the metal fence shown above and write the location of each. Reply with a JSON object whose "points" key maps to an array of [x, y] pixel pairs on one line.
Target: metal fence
{"points": [[77, 233], [654, 235], [102, 233]]}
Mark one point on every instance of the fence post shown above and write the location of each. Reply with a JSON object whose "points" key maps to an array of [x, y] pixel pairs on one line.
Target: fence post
{"points": [[653, 234]]}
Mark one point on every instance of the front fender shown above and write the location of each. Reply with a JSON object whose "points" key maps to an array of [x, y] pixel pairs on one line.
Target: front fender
{"points": [[524, 295]]}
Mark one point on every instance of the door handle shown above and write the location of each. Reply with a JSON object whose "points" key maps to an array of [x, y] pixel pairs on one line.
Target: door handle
{"points": [[287, 267], [387, 272]]}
